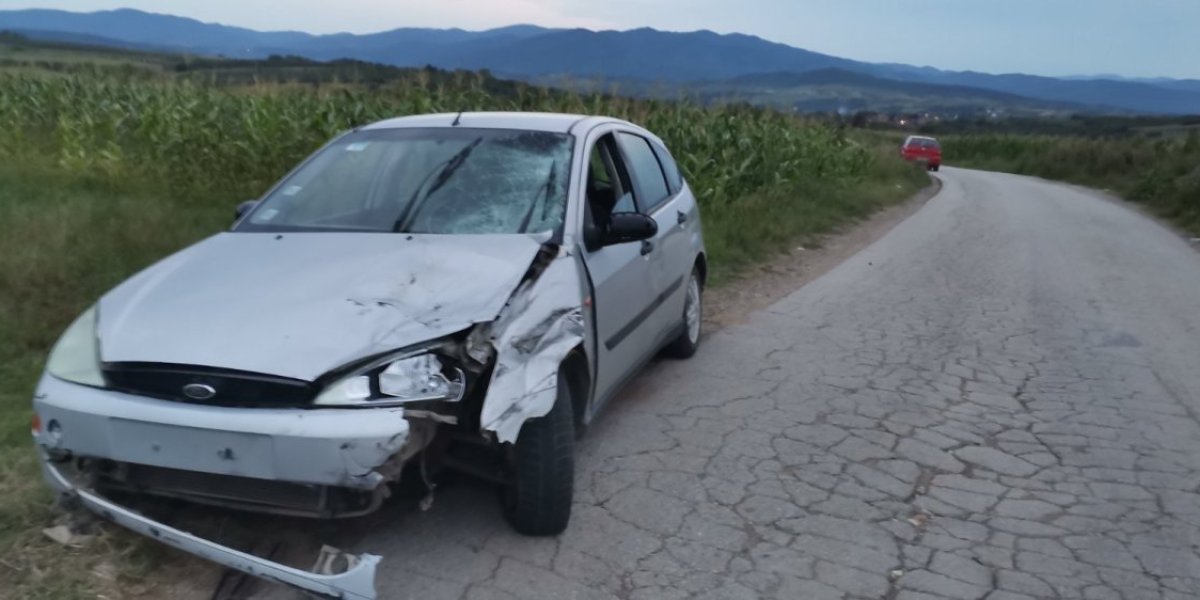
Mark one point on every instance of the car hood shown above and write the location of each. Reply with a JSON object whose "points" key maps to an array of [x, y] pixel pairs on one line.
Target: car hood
{"points": [[301, 304]]}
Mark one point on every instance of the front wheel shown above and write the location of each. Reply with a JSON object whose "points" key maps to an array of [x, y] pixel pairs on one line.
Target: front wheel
{"points": [[537, 499], [688, 341]]}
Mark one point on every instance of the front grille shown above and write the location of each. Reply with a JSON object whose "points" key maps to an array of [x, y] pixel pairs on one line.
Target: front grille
{"points": [[231, 491], [230, 388]]}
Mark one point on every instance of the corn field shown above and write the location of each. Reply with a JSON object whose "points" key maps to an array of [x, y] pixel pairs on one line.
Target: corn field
{"points": [[198, 136], [1161, 172]]}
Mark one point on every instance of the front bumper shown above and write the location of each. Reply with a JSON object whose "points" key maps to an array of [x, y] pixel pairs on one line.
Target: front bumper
{"points": [[358, 583], [356, 449], [332, 447]]}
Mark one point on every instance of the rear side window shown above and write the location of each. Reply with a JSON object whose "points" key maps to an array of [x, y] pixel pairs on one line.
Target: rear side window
{"points": [[646, 170], [670, 169]]}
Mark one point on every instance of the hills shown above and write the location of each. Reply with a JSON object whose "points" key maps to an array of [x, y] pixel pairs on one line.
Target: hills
{"points": [[836, 89], [700, 63]]}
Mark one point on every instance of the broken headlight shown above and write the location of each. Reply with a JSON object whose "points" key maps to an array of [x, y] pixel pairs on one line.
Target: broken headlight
{"points": [[415, 378], [76, 355]]}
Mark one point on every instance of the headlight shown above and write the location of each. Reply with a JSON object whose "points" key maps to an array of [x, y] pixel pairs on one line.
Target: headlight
{"points": [[76, 356], [419, 378]]}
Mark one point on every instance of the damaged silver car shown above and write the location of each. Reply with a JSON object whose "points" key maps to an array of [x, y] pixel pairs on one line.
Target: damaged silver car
{"points": [[436, 292]]}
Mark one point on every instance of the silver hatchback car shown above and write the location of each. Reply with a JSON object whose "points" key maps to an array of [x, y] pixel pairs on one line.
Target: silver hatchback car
{"points": [[418, 290]]}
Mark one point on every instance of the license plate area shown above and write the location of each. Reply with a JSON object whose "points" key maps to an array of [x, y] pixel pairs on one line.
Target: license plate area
{"points": [[192, 448]]}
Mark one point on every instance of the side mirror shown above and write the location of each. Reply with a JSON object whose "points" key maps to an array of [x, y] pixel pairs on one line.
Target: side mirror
{"points": [[244, 208], [624, 227]]}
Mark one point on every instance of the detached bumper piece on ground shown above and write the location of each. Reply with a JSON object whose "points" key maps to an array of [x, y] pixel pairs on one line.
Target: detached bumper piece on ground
{"points": [[358, 583]]}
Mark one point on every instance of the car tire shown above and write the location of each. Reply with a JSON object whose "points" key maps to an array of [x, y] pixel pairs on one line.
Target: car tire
{"points": [[688, 341], [537, 500]]}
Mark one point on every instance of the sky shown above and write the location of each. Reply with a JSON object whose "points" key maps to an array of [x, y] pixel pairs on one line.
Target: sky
{"points": [[1133, 38]]}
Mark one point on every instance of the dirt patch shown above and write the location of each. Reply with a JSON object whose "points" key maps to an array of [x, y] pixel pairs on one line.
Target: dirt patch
{"points": [[762, 285]]}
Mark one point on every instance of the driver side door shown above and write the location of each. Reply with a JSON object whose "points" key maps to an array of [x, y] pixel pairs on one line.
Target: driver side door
{"points": [[620, 273]]}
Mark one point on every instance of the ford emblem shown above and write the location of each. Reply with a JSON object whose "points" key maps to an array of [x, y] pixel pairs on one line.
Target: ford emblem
{"points": [[199, 391]]}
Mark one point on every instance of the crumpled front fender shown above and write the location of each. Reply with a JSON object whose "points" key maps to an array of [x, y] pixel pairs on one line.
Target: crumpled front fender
{"points": [[541, 324]]}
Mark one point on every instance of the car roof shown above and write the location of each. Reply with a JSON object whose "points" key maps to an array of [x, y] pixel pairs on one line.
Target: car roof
{"points": [[921, 137], [526, 121]]}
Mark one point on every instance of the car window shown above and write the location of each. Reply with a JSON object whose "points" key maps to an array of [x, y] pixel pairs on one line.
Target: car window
{"points": [[441, 180], [646, 170], [604, 168], [670, 168], [607, 190], [314, 198], [598, 171]]}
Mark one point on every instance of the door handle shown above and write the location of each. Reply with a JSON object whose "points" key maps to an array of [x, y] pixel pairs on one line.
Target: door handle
{"points": [[682, 217], [647, 247]]}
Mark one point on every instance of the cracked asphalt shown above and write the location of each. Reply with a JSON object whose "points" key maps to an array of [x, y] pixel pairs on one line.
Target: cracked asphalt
{"points": [[999, 399]]}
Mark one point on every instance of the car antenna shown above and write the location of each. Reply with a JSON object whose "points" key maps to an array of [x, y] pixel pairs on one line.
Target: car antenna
{"points": [[457, 119]]}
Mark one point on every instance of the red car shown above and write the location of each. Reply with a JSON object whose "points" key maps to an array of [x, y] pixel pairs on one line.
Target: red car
{"points": [[922, 149]]}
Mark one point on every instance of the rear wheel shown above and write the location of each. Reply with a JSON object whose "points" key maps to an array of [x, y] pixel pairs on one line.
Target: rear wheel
{"points": [[688, 341], [537, 500]]}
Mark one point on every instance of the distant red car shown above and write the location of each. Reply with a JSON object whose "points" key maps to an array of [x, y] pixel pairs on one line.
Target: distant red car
{"points": [[922, 149]]}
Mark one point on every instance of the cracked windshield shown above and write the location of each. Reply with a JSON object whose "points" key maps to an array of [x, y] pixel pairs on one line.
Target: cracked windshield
{"points": [[453, 181], [566, 300]]}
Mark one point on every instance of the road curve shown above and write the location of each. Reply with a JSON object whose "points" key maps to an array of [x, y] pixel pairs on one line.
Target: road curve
{"points": [[999, 399]]}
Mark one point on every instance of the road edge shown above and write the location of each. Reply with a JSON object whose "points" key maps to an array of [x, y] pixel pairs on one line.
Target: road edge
{"points": [[761, 285], [1110, 196]]}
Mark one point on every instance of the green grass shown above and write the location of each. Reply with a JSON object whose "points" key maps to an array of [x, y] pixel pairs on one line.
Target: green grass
{"points": [[760, 224], [1162, 173], [102, 173], [64, 239]]}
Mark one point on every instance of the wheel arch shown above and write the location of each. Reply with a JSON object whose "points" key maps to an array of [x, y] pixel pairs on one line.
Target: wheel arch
{"points": [[579, 378], [702, 267]]}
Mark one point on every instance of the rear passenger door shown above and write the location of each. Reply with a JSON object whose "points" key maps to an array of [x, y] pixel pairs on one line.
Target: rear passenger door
{"points": [[682, 245], [670, 257]]}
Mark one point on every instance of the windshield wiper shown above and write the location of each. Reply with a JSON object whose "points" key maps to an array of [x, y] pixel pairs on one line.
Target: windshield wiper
{"points": [[417, 201], [543, 192]]}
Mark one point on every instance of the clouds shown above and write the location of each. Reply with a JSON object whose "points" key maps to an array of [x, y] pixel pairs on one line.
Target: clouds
{"points": [[1051, 37]]}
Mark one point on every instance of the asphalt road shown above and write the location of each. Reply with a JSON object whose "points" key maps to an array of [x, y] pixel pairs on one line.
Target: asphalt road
{"points": [[999, 399]]}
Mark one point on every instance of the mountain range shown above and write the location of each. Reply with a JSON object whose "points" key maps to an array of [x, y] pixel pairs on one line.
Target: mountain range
{"points": [[699, 62]]}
